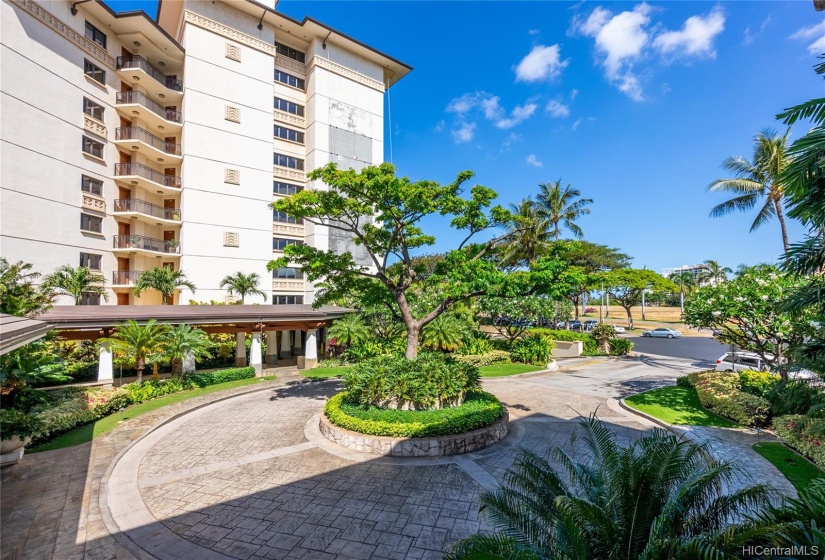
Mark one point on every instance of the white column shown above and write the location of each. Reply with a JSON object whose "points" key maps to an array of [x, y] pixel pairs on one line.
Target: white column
{"points": [[271, 347], [105, 371], [296, 343], [255, 353], [240, 349], [311, 355], [188, 363], [286, 347]]}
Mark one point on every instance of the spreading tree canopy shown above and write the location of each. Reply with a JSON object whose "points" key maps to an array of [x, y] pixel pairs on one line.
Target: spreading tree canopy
{"points": [[625, 286]]}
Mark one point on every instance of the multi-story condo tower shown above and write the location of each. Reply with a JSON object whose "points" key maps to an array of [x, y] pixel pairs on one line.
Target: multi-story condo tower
{"points": [[130, 143]]}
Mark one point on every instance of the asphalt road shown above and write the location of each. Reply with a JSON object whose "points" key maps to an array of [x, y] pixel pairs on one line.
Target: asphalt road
{"points": [[700, 349]]}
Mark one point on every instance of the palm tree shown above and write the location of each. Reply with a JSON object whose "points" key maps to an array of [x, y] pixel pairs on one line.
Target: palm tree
{"points": [[757, 182], [562, 206], [163, 279], [660, 497], [138, 341], [712, 271], [686, 281], [529, 235], [18, 294], [183, 341], [243, 285], [446, 332], [349, 330], [75, 282]]}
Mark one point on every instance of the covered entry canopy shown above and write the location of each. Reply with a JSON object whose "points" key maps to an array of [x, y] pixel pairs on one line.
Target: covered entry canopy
{"points": [[19, 331]]}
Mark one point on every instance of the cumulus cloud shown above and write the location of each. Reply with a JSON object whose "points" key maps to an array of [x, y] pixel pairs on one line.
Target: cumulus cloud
{"points": [[557, 109], [519, 114], [695, 38], [489, 106], [464, 132], [541, 63], [534, 161], [815, 33]]}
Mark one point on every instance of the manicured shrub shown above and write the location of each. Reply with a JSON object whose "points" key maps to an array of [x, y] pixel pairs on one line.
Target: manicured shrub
{"points": [[220, 376], [758, 383], [151, 388], [478, 410], [590, 346], [486, 359], [720, 392], [476, 346], [620, 346], [534, 348], [794, 397], [79, 406], [805, 434], [18, 423]]}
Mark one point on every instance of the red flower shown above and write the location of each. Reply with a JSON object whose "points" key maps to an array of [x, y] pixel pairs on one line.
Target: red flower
{"points": [[816, 443]]}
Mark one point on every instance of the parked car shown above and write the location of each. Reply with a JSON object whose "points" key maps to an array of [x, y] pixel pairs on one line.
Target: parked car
{"points": [[561, 325], [575, 325], [662, 332], [740, 361], [590, 324], [618, 329]]}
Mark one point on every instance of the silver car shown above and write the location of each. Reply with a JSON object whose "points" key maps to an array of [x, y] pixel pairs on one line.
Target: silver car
{"points": [[662, 332]]}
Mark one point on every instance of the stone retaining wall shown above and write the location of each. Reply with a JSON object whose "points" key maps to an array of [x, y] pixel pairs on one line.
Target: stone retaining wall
{"points": [[416, 447]]}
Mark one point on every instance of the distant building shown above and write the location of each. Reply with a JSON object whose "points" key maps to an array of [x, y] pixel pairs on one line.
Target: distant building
{"points": [[694, 269]]}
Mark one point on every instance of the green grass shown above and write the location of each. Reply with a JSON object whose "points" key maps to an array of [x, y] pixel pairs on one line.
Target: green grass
{"points": [[324, 373], [677, 405], [501, 370], [88, 432], [799, 471]]}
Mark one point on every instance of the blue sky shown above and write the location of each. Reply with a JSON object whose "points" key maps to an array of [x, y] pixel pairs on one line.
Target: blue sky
{"points": [[634, 104]]}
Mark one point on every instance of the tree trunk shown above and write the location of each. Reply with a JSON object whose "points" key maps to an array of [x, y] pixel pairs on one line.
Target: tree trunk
{"points": [[140, 364], [629, 318], [413, 333], [777, 203]]}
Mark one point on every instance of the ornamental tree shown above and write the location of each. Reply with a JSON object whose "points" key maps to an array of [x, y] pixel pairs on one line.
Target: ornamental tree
{"points": [[512, 316], [748, 312], [625, 286]]}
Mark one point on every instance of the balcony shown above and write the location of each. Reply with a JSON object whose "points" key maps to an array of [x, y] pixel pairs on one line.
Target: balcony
{"points": [[145, 245], [146, 211], [125, 278], [288, 285], [146, 177], [137, 69], [137, 104], [138, 139]]}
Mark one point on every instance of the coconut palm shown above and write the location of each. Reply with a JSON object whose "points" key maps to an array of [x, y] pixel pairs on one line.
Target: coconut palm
{"points": [[138, 342], [529, 237], [757, 182], [75, 282], [446, 332], [18, 294], [243, 285], [687, 282], [713, 272], [660, 497], [183, 341], [562, 206], [349, 330], [163, 279]]}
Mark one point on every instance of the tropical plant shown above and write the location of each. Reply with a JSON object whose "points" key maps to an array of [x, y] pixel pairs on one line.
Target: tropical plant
{"points": [[530, 236], [18, 294], [562, 206], [30, 364], [660, 497], [758, 181], [626, 285], [686, 281], [446, 333], [182, 342], [75, 282], [713, 272], [533, 348], [800, 521], [163, 279], [138, 342], [243, 285], [511, 317], [604, 333], [349, 330]]}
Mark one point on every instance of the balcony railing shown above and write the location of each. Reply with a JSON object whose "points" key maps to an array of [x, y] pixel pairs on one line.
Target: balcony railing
{"points": [[136, 61], [146, 244], [140, 98], [136, 205], [127, 169], [137, 133], [125, 276]]}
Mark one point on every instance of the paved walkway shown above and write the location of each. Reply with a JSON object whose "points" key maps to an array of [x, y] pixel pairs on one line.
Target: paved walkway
{"points": [[249, 477]]}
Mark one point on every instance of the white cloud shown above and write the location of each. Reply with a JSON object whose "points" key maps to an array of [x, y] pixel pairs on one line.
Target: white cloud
{"points": [[816, 32], [576, 124], [519, 114], [695, 38], [629, 85], [509, 141], [463, 104], [541, 63], [489, 105], [557, 109], [533, 32], [574, 93], [440, 126], [534, 161], [464, 132]]}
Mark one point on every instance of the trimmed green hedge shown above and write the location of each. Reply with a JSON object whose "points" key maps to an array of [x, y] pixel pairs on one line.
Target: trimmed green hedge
{"points": [[720, 391], [590, 346], [478, 410], [486, 359], [805, 434]]}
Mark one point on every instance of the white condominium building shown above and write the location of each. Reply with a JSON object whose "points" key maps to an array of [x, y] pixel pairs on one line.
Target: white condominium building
{"points": [[130, 143]]}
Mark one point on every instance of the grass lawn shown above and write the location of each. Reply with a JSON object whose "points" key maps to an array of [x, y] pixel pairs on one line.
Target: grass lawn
{"points": [[95, 429], [501, 370], [677, 405], [799, 471], [324, 372]]}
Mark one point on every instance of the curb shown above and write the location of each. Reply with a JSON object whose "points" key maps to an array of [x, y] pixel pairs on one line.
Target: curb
{"points": [[647, 417]]}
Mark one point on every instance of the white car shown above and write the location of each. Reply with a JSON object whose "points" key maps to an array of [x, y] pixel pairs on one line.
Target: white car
{"points": [[741, 361], [618, 329], [662, 332]]}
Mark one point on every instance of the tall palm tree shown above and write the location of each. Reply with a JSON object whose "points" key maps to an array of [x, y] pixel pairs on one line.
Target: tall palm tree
{"points": [[660, 497], [529, 235], [562, 206], [138, 341], [712, 271], [183, 341], [758, 181], [163, 279], [687, 282], [349, 329], [243, 285], [75, 282]]}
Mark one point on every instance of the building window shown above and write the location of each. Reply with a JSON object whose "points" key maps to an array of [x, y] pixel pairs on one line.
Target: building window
{"points": [[278, 243], [288, 161], [289, 52], [290, 80], [287, 300], [94, 72], [288, 273], [91, 185], [89, 299], [289, 107], [289, 134], [92, 262], [285, 218], [93, 109], [285, 188], [95, 34], [91, 223], [92, 147]]}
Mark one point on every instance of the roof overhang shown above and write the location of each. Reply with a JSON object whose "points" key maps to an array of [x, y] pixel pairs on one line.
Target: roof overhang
{"points": [[19, 331]]}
